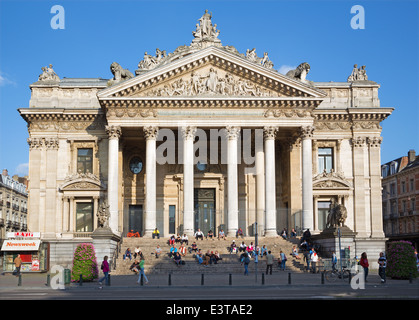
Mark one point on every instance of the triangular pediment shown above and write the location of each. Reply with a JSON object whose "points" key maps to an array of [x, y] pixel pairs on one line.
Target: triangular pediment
{"points": [[208, 73]]}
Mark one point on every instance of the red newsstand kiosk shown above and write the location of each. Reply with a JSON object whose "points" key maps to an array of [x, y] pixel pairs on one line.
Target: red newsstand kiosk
{"points": [[33, 253]]}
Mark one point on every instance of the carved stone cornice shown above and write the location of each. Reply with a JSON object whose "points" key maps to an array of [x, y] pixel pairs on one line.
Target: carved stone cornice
{"points": [[48, 143], [151, 132], [288, 113], [114, 132], [61, 120]]}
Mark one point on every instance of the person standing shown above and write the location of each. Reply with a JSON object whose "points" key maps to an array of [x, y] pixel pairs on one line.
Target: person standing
{"points": [[269, 262], [105, 270], [18, 264], [364, 263], [283, 260], [382, 264], [314, 259]]}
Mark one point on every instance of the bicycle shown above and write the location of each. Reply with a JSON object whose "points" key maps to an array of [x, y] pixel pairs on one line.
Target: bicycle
{"points": [[333, 275]]}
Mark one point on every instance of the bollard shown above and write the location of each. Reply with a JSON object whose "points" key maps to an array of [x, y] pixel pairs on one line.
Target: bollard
{"points": [[230, 280], [48, 280], [202, 279], [108, 283], [19, 281], [81, 280], [323, 277], [350, 276], [170, 279], [263, 279], [142, 279], [289, 277], [410, 277]]}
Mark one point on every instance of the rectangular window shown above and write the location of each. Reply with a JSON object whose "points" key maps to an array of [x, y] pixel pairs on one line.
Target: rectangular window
{"points": [[322, 211], [85, 160], [325, 159], [84, 217]]}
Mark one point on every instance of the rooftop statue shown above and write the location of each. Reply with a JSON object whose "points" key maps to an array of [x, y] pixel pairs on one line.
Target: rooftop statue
{"points": [[206, 33], [300, 73], [358, 74], [48, 74], [119, 73]]}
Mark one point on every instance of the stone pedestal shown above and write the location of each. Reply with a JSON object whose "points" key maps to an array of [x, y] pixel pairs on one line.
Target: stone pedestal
{"points": [[105, 243], [328, 239]]}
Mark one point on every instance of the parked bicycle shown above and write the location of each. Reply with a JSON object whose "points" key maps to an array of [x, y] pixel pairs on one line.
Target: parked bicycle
{"points": [[333, 275]]}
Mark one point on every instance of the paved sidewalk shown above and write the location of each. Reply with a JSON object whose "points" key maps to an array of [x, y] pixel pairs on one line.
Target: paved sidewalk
{"points": [[278, 278]]}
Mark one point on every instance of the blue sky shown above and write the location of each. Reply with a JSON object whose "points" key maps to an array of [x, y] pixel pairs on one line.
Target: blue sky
{"points": [[99, 32]]}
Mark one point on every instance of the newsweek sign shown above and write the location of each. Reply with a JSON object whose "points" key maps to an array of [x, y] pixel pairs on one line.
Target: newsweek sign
{"points": [[20, 245], [11, 235]]}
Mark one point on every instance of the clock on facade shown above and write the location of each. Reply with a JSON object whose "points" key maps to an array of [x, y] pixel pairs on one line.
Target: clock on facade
{"points": [[136, 165]]}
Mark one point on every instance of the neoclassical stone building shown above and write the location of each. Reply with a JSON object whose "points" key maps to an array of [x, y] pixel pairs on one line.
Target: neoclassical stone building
{"points": [[203, 137]]}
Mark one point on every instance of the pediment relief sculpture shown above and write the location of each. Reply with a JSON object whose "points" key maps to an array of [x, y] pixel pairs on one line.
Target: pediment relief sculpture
{"points": [[330, 180], [82, 181], [211, 82]]}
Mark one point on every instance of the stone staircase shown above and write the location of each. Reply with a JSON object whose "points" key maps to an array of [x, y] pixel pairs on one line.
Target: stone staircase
{"points": [[229, 264]]}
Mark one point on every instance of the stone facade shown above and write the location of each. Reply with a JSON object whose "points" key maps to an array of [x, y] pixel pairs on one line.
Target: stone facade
{"points": [[132, 141]]}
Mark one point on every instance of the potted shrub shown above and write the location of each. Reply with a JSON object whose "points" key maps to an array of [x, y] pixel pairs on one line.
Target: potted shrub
{"points": [[84, 263], [401, 260]]}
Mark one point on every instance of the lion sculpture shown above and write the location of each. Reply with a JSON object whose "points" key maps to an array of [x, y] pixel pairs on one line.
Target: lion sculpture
{"points": [[337, 215], [119, 73], [300, 72]]}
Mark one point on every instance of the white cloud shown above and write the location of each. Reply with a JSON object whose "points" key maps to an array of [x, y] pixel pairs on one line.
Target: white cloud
{"points": [[285, 68], [4, 80], [22, 169]]}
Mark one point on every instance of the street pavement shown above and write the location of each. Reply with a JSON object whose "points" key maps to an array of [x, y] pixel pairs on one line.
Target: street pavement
{"points": [[280, 285]]}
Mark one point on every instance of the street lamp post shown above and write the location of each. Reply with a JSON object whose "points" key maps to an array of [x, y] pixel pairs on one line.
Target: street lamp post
{"points": [[256, 258]]}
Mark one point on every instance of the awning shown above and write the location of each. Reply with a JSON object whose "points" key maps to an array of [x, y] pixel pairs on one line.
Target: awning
{"points": [[20, 245]]}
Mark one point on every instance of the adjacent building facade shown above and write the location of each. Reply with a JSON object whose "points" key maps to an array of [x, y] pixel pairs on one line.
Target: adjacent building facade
{"points": [[203, 137], [401, 197]]}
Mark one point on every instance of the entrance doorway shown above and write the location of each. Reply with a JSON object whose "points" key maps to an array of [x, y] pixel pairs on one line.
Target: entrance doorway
{"points": [[135, 218], [204, 203]]}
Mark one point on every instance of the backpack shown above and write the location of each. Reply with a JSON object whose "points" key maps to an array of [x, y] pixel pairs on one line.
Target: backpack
{"points": [[247, 260], [101, 266]]}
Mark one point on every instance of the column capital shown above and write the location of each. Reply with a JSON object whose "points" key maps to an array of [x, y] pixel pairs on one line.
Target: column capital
{"points": [[188, 132], [151, 132], [306, 132], [269, 132], [114, 132], [232, 132], [374, 141]]}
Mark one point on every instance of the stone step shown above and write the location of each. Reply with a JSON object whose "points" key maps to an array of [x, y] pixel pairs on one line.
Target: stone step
{"points": [[230, 262]]}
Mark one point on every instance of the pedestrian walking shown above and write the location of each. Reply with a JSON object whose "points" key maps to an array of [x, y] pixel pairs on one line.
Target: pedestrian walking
{"points": [[269, 262], [307, 259], [142, 273], [364, 263], [245, 261], [334, 261], [105, 270], [382, 264], [18, 264]]}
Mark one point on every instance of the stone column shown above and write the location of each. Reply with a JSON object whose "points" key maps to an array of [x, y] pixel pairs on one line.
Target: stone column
{"points": [[66, 214], [232, 134], [150, 134], [188, 134], [270, 191], [359, 170], [260, 184], [114, 133], [307, 177], [374, 144]]}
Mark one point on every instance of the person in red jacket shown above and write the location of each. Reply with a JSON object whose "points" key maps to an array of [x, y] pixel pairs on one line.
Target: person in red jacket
{"points": [[364, 263]]}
